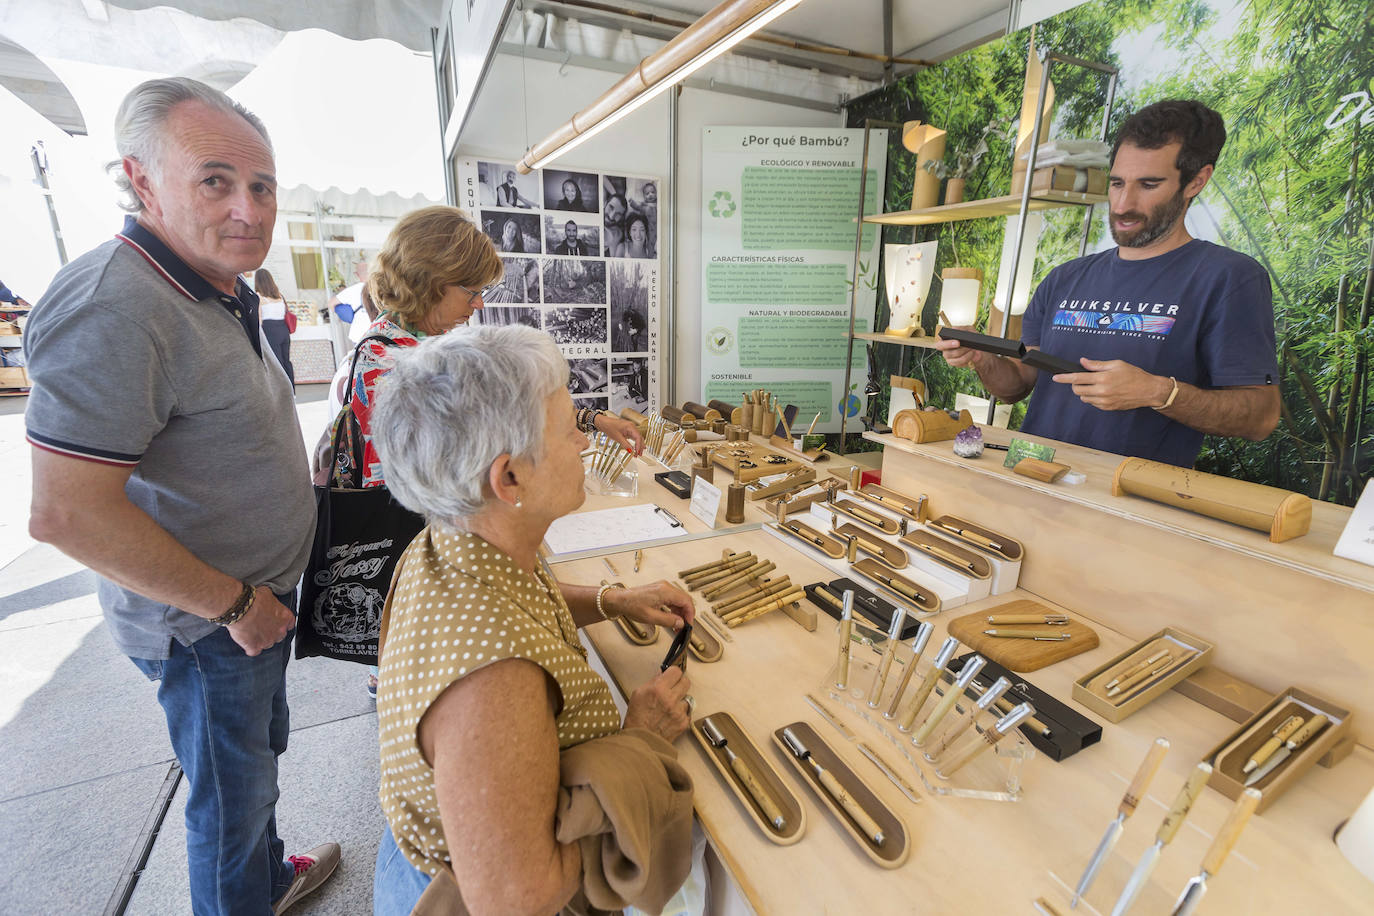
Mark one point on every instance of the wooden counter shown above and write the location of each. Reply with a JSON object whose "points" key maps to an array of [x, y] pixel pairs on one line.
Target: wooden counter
{"points": [[968, 855], [1280, 614]]}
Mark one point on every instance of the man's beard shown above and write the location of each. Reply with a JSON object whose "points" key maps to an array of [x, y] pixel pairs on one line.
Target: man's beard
{"points": [[1154, 227]]}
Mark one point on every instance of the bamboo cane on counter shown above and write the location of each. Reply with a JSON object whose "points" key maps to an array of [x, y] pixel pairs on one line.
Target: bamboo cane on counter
{"points": [[684, 573], [701, 580], [762, 590], [787, 598], [724, 586]]}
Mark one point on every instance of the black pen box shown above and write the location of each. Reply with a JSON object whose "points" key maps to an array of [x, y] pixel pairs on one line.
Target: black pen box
{"points": [[676, 483], [986, 342], [866, 604], [1069, 731]]}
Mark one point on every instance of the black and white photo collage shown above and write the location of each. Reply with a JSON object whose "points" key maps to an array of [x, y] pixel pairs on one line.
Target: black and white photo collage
{"points": [[582, 262]]}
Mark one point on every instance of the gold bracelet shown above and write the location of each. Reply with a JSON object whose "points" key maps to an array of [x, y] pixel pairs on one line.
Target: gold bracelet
{"points": [[600, 593], [1169, 401]]}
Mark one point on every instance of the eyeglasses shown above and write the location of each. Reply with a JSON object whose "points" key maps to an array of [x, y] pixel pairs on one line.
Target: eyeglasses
{"points": [[482, 293]]}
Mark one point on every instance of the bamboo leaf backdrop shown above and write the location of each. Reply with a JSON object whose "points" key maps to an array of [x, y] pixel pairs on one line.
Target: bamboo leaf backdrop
{"points": [[1291, 191]]}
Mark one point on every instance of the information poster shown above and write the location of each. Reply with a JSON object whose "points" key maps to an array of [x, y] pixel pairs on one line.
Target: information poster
{"points": [[581, 251], [777, 245]]}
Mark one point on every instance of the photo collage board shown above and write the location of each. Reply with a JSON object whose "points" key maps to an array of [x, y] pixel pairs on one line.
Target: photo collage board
{"points": [[581, 251]]}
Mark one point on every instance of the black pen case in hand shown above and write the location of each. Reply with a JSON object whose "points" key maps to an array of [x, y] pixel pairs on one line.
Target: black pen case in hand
{"points": [[985, 342], [1070, 732], [1048, 362], [868, 605]]}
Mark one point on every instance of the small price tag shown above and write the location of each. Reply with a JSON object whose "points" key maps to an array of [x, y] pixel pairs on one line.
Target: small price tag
{"points": [[1357, 540], [705, 503], [1020, 448]]}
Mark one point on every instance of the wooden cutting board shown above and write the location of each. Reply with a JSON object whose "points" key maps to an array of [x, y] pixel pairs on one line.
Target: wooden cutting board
{"points": [[1022, 655]]}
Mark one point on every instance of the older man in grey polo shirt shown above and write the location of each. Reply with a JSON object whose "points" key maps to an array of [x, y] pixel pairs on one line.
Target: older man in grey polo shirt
{"points": [[167, 457]]}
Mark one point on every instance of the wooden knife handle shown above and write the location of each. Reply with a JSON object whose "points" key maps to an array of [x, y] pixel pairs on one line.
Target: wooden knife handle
{"points": [[1230, 831], [1148, 767], [1197, 781]]}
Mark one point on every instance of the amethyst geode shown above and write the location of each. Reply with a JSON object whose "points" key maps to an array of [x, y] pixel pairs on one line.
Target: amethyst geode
{"points": [[968, 443]]}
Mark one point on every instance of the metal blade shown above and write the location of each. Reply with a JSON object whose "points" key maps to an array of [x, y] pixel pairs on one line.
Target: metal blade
{"points": [[1108, 841], [1138, 879], [1268, 766], [1192, 894]]}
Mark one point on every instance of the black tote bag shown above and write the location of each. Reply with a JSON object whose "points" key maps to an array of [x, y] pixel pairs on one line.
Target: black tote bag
{"points": [[359, 536]]}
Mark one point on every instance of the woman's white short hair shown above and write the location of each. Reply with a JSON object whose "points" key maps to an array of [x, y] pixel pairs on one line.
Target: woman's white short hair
{"points": [[453, 405]]}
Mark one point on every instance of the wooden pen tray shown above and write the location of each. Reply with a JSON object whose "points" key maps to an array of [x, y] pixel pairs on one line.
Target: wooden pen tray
{"points": [[913, 508], [896, 839], [710, 649], [760, 490], [928, 603], [890, 554], [640, 634], [1021, 655], [748, 462], [793, 814], [805, 533], [1328, 747], [1091, 690], [865, 513], [1007, 548], [794, 502], [954, 556]]}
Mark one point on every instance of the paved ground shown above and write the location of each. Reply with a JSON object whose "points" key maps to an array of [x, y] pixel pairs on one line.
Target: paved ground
{"points": [[84, 753]]}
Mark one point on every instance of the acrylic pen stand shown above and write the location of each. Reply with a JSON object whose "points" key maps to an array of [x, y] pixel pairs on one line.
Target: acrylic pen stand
{"points": [[627, 484], [994, 775], [1231, 890]]}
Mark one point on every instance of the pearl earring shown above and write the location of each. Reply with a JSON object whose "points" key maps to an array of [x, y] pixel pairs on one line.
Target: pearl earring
{"points": [[519, 503]]}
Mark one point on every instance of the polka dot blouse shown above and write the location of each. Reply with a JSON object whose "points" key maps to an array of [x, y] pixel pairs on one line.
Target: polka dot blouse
{"points": [[458, 604]]}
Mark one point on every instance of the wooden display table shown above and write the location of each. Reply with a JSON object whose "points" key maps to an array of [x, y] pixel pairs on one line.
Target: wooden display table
{"points": [[968, 855], [1280, 614]]}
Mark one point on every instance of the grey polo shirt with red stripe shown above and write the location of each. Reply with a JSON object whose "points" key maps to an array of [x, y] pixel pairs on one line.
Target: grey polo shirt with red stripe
{"points": [[137, 361]]}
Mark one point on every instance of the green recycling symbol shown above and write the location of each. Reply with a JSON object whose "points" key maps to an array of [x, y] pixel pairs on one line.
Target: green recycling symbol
{"points": [[722, 205]]}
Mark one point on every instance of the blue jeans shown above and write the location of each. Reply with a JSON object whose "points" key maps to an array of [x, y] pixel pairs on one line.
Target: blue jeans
{"points": [[396, 884], [227, 717]]}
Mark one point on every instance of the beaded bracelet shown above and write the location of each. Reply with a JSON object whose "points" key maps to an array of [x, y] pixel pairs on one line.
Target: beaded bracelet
{"points": [[600, 593], [586, 418]]}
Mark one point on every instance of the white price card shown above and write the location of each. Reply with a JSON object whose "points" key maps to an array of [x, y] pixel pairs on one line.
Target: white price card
{"points": [[705, 501], [1357, 540]]}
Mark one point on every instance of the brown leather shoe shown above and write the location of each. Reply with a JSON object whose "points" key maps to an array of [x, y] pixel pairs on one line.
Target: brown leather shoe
{"points": [[312, 870]]}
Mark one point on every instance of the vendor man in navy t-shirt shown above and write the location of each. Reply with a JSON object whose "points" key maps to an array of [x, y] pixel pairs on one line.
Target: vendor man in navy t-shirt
{"points": [[1177, 334]]}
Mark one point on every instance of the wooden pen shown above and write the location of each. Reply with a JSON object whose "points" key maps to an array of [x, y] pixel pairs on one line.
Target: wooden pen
{"points": [[1055, 620], [1037, 635], [1137, 668]]}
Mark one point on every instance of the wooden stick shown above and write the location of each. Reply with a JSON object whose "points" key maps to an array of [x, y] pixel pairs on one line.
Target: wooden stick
{"points": [[814, 421]]}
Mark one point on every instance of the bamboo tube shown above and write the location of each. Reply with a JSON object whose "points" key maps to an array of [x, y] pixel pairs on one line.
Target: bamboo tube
{"points": [[684, 573], [720, 587], [759, 610], [722, 408], [795, 592], [706, 576], [701, 410], [762, 590], [1278, 513]]}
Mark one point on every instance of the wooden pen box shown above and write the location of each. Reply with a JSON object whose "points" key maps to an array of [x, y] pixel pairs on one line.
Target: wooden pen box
{"points": [[1005, 559], [1328, 747], [793, 814], [1190, 654]]}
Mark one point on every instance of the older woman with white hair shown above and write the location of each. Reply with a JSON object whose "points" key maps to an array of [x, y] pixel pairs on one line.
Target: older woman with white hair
{"points": [[483, 679]]}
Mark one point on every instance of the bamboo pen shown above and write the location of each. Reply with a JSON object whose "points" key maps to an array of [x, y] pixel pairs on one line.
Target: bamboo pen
{"points": [[861, 818], [1141, 677], [1005, 620], [968, 535], [1280, 735], [814, 420], [918, 648], [1137, 668], [947, 650], [1037, 635], [897, 586], [894, 634], [846, 629], [745, 775]]}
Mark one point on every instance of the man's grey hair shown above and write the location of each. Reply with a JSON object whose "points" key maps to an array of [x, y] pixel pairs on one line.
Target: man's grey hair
{"points": [[142, 118], [453, 405]]}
